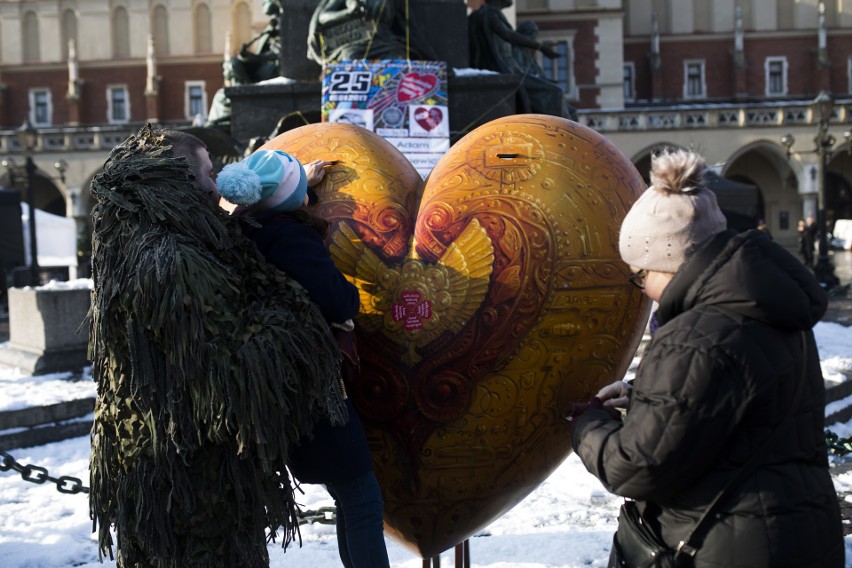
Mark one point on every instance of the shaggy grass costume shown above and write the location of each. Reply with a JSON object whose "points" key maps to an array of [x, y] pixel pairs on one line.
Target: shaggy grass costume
{"points": [[209, 364]]}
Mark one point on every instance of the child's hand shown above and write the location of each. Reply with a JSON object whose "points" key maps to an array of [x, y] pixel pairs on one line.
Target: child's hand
{"points": [[315, 171]]}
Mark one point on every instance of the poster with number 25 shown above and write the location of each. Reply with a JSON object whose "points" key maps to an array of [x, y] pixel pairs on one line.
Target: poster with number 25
{"points": [[403, 101]]}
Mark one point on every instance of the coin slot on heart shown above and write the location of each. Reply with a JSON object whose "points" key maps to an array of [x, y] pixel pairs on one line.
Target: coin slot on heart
{"points": [[517, 154]]}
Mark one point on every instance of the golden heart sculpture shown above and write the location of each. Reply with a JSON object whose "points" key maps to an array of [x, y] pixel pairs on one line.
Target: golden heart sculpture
{"points": [[492, 298]]}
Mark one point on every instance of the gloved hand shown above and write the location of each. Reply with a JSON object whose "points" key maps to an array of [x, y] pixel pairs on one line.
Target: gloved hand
{"points": [[615, 395], [578, 409]]}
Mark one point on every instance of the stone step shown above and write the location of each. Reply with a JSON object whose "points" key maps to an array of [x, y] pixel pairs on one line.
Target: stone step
{"points": [[35, 426], [836, 392]]}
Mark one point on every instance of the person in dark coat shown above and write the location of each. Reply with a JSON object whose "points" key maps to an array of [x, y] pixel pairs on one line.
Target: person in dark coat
{"points": [[807, 239], [210, 365], [271, 187], [735, 315]]}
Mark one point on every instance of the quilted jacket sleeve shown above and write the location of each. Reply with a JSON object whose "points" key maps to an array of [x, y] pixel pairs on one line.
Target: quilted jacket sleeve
{"points": [[686, 402]]}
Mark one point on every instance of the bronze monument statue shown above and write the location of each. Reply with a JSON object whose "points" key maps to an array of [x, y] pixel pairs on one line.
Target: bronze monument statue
{"points": [[544, 94], [363, 29], [495, 46], [258, 60], [261, 62]]}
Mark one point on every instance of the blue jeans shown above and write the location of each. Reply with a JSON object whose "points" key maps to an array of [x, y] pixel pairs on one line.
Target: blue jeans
{"points": [[360, 529]]}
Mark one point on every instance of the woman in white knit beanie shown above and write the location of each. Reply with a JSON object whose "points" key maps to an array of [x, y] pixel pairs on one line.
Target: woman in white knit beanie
{"points": [[729, 398], [676, 214]]}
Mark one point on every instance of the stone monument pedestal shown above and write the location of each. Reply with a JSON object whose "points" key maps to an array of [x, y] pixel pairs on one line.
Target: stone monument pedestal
{"points": [[46, 334], [474, 100], [441, 25]]}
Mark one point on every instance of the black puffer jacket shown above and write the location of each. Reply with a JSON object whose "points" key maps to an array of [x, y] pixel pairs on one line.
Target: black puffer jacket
{"points": [[718, 377]]}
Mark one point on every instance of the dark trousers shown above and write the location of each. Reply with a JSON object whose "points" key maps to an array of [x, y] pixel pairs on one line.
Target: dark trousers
{"points": [[360, 529]]}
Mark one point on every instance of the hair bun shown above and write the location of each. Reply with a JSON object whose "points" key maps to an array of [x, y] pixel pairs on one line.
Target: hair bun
{"points": [[677, 171]]}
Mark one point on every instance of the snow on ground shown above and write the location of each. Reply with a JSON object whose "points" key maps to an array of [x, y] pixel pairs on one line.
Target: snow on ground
{"points": [[567, 522]]}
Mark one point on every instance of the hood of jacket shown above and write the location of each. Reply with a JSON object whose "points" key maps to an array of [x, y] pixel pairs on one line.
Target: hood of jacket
{"points": [[751, 275]]}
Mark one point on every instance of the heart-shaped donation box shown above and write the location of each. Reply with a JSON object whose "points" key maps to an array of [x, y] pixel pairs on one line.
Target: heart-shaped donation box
{"points": [[493, 299]]}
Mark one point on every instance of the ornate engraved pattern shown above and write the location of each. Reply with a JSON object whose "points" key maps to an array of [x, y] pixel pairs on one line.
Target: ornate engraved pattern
{"points": [[492, 298]]}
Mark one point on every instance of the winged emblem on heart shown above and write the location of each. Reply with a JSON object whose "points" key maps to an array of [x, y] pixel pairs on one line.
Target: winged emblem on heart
{"points": [[492, 298], [413, 303]]}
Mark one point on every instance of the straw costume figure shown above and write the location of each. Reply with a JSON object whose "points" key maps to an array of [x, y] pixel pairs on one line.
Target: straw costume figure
{"points": [[209, 365]]}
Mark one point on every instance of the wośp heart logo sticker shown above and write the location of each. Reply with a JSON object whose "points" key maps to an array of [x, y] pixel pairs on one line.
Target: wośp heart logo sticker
{"points": [[428, 121], [414, 86]]}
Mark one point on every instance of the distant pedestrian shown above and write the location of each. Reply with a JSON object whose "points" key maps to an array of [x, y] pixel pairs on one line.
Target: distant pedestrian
{"points": [[732, 372], [807, 239]]}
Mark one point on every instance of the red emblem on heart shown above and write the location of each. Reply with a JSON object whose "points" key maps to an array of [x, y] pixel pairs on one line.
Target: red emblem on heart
{"points": [[412, 310], [415, 86], [429, 118]]}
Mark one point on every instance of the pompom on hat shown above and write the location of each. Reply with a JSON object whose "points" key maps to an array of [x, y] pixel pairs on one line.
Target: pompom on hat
{"points": [[676, 214], [268, 179]]}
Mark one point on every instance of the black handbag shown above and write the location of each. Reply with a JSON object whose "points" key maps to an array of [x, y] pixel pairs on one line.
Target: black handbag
{"points": [[636, 545]]}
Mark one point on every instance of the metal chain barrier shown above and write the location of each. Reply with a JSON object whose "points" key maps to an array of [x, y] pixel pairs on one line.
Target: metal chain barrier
{"points": [[38, 475], [837, 445], [73, 485], [323, 516]]}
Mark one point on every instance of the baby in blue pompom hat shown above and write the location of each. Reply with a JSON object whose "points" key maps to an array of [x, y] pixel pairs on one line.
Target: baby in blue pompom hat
{"points": [[266, 180]]}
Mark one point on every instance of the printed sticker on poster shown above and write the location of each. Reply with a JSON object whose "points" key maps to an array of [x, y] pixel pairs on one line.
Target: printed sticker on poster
{"points": [[403, 101]]}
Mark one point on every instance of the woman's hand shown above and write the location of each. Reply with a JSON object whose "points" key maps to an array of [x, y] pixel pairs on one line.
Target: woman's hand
{"points": [[615, 395]]}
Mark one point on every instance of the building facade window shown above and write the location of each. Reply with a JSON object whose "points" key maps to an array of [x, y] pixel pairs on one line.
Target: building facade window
{"points": [[694, 85], [120, 33], [118, 104], [775, 69], [786, 14], [660, 9], [160, 29], [747, 13], [629, 82], [31, 50], [195, 100], [68, 31], [702, 16], [240, 25], [41, 107], [561, 69], [203, 29]]}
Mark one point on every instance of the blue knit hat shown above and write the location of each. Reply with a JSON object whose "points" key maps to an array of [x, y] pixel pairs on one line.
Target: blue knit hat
{"points": [[268, 179]]}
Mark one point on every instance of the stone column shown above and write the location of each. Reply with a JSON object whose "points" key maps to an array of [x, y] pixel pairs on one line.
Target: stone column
{"points": [[293, 25], [443, 24], [152, 107], [73, 109]]}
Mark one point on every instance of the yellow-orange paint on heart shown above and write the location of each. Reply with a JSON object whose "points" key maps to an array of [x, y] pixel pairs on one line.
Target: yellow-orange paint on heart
{"points": [[492, 299]]}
